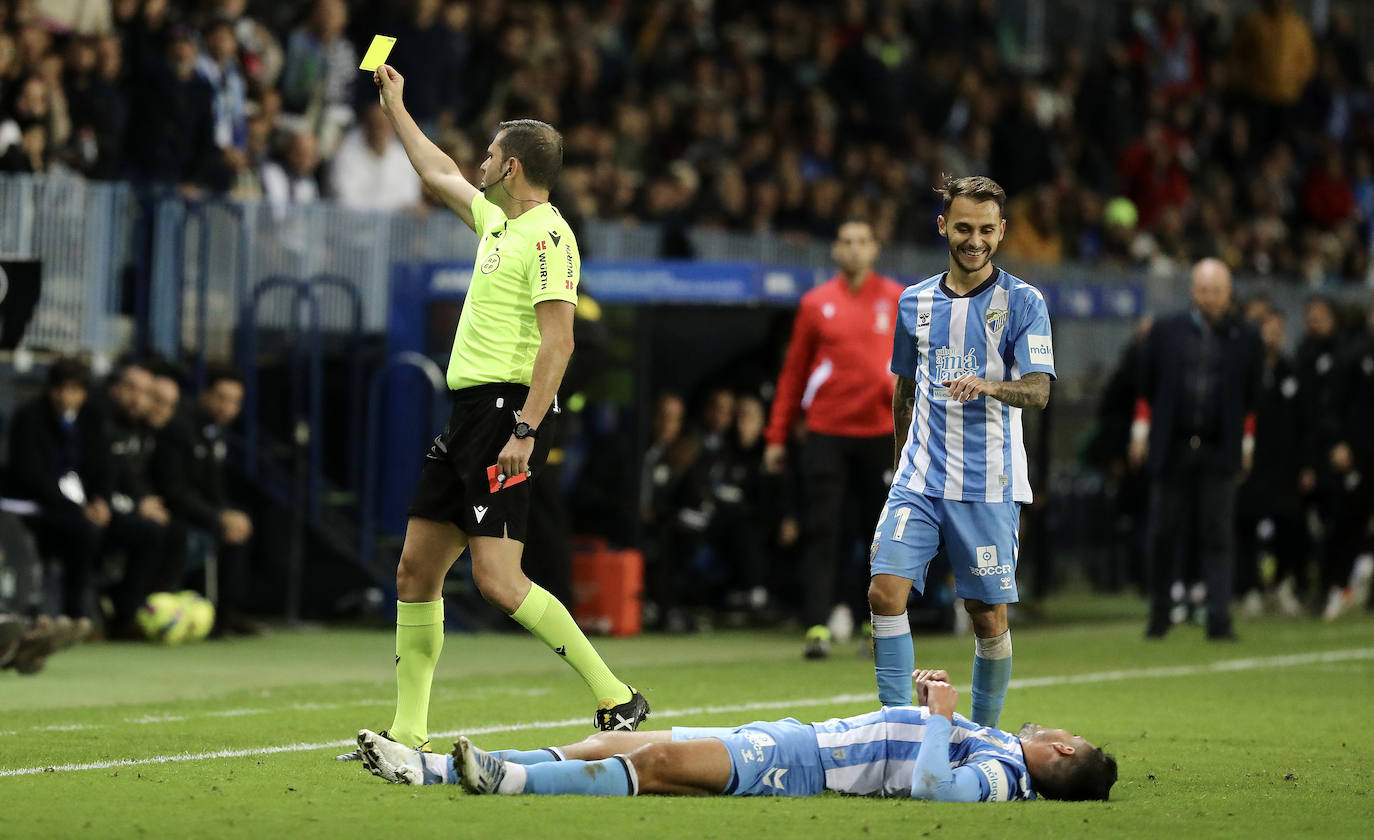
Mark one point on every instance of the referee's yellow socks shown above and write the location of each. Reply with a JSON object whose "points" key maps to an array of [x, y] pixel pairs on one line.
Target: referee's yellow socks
{"points": [[547, 618], [419, 638]]}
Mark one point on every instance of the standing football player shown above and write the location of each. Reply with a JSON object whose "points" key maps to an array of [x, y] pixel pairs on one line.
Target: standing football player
{"points": [[972, 349]]}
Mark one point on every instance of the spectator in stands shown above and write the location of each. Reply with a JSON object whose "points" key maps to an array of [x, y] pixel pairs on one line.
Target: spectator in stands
{"points": [[135, 505], [98, 106], [1034, 232], [171, 126], [432, 63], [189, 473], [219, 66], [321, 69], [30, 155], [294, 180], [370, 171], [248, 182], [1272, 57], [259, 50], [59, 459]]}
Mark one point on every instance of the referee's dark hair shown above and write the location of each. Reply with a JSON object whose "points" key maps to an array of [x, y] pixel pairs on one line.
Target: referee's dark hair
{"points": [[980, 188], [1088, 776], [537, 145]]}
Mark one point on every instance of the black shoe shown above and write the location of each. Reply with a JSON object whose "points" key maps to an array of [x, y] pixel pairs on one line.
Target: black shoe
{"points": [[1156, 630], [625, 717], [1227, 635]]}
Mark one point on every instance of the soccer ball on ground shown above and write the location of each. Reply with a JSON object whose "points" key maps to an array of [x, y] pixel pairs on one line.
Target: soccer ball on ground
{"points": [[198, 614], [163, 618]]}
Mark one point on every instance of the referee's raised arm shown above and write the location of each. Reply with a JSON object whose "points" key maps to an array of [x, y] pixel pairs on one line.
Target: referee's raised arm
{"points": [[437, 170]]}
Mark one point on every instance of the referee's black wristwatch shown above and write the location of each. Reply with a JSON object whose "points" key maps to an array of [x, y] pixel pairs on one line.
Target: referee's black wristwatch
{"points": [[525, 430]]}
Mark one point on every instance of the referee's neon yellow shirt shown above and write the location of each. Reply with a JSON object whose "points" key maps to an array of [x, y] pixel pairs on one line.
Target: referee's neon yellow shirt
{"points": [[520, 262]]}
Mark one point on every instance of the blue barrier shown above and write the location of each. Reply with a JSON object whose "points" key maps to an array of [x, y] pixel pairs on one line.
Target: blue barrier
{"points": [[668, 282], [367, 536]]}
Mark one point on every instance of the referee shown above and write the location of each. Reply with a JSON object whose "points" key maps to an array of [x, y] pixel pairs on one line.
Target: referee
{"points": [[513, 343]]}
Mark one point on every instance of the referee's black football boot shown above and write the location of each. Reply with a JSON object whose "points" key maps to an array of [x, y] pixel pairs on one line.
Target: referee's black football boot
{"points": [[357, 755], [624, 717]]}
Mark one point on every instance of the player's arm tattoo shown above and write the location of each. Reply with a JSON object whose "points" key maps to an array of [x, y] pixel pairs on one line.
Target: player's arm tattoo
{"points": [[1030, 391], [903, 406]]}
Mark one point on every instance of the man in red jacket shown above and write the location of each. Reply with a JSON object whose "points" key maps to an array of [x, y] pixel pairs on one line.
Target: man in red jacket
{"points": [[837, 372]]}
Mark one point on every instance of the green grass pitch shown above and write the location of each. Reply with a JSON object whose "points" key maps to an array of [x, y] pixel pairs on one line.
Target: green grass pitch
{"points": [[1267, 737]]}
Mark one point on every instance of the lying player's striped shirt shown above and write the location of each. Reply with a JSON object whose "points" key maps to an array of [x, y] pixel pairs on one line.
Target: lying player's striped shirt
{"points": [[875, 755], [968, 452]]}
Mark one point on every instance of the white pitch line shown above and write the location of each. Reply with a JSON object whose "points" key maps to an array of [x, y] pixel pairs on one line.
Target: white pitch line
{"points": [[1224, 666]]}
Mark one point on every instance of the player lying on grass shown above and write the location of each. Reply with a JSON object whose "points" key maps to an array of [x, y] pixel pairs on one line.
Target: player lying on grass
{"points": [[924, 752]]}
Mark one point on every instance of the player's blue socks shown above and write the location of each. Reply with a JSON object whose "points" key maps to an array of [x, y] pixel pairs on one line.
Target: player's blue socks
{"points": [[614, 776], [991, 674], [531, 756], [894, 659]]}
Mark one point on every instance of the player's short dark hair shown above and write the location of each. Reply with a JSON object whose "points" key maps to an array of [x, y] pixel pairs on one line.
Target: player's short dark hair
{"points": [[222, 373], [979, 188], [1088, 776], [537, 145], [68, 370]]}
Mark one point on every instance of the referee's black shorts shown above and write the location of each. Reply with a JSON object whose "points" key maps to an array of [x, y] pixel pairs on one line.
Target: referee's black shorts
{"points": [[459, 482]]}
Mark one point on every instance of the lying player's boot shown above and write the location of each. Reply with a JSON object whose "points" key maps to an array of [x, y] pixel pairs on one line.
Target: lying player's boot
{"points": [[478, 770], [356, 755], [622, 717], [386, 759], [817, 643]]}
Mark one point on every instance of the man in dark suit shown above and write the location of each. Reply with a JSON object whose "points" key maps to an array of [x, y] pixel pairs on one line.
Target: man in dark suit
{"points": [[1194, 428], [59, 459]]}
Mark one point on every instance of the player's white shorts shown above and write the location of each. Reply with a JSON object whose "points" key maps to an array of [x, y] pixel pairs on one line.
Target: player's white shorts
{"points": [[981, 540]]}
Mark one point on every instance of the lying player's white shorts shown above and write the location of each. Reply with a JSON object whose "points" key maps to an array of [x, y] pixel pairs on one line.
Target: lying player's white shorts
{"points": [[981, 539]]}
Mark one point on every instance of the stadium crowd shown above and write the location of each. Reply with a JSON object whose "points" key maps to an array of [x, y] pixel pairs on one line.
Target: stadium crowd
{"points": [[1189, 133]]}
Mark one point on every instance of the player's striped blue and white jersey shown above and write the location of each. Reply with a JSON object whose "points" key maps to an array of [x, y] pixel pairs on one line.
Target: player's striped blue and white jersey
{"points": [[973, 451], [875, 754]]}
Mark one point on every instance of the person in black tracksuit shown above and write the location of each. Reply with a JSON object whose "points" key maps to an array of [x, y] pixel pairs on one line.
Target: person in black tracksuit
{"points": [[189, 473], [135, 506], [1199, 380], [1268, 509]]}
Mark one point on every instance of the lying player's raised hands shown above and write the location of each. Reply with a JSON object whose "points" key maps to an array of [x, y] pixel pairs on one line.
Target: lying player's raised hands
{"points": [[921, 676], [941, 698]]}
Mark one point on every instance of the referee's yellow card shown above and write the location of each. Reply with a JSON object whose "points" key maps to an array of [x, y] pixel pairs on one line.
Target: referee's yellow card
{"points": [[377, 52]]}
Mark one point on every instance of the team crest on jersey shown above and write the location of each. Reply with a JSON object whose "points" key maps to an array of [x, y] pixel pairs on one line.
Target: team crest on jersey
{"points": [[950, 364], [491, 263], [997, 319]]}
